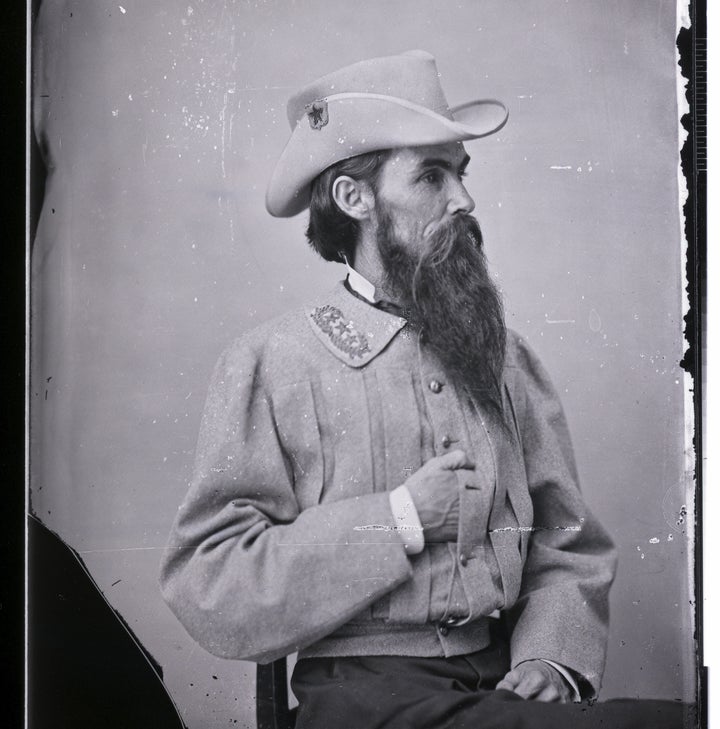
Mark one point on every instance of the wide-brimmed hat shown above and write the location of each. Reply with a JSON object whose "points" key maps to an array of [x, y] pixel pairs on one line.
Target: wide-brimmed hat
{"points": [[380, 103]]}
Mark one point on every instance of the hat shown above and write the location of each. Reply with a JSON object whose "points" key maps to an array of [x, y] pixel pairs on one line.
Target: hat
{"points": [[380, 103]]}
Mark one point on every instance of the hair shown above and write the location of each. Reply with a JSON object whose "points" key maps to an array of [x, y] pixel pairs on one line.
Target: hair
{"points": [[331, 232]]}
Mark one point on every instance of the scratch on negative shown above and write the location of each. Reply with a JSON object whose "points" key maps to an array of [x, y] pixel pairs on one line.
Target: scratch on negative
{"points": [[365, 579], [119, 549], [387, 528], [407, 528], [560, 167], [223, 115], [537, 529], [559, 321], [268, 88]]}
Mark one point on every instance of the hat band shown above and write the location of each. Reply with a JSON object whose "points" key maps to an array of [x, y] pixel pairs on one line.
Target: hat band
{"points": [[378, 97]]}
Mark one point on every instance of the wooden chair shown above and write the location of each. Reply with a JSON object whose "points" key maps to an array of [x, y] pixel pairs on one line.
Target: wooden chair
{"points": [[272, 710]]}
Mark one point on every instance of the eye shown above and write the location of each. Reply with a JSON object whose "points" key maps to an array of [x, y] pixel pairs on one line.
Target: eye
{"points": [[432, 177], [462, 174]]}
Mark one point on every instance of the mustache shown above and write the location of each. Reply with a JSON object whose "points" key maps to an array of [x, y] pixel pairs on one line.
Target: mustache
{"points": [[462, 231]]}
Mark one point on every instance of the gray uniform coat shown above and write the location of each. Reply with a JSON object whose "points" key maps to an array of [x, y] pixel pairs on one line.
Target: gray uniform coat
{"points": [[286, 542]]}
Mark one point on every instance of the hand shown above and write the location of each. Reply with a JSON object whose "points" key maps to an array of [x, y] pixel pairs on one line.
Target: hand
{"points": [[537, 680], [435, 491]]}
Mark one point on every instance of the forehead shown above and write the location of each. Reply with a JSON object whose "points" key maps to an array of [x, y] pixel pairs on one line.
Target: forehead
{"points": [[409, 158]]}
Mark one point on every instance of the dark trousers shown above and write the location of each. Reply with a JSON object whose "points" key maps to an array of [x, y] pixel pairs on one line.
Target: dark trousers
{"points": [[397, 692]]}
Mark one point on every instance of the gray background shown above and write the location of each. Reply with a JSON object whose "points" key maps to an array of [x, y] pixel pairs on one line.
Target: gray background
{"points": [[162, 122]]}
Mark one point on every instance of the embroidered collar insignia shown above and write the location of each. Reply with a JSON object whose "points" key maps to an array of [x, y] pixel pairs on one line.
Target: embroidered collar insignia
{"points": [[317, 113], [351, 329], [340, 331]]}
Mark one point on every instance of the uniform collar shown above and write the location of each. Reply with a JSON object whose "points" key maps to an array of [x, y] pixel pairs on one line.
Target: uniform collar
{"points": [[359, 284], [352, 329]]}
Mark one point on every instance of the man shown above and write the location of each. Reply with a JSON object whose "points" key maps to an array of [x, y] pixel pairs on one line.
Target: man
{"points": [[384, 481]]}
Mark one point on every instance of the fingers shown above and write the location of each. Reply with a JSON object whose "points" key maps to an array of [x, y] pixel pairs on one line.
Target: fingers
{"points": [[454, 460], [531, 685], [550, 694], [505, 685], [511, 680]]}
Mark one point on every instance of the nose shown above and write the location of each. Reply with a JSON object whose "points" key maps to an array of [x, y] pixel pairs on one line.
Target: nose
{"points": [[459, 200]]}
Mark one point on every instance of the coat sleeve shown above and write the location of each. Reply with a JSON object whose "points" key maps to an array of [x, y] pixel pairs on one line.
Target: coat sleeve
{"points": [[562, 611], [247, 573]]}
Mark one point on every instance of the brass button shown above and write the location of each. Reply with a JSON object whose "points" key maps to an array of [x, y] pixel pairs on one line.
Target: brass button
{"points": [[435, 386], [443, 629], [446, 441], [463, 560]]}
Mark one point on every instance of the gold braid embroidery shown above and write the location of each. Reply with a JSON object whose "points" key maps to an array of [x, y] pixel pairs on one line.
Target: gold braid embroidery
{"points": [[343, 335]]}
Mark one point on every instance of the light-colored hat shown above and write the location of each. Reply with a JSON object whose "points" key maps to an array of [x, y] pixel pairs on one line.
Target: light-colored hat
{"points": [[381, 103]]}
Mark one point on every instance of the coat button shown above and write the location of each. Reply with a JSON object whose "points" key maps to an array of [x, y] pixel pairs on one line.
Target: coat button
{"points": [[463, 560], [435, 386], [446, 441], [443, 629]]}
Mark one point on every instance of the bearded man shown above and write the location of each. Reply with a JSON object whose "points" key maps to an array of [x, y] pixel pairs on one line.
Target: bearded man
{"points": [[384, 480]]}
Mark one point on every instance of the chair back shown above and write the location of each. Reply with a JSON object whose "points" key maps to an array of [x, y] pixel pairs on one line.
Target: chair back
{"points": [[271, 693]]}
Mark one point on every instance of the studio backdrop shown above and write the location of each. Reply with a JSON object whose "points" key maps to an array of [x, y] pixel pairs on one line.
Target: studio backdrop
{"points": [[160, 123]]}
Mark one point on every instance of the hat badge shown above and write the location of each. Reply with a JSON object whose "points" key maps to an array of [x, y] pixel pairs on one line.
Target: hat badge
{"points": [[317, 113]]}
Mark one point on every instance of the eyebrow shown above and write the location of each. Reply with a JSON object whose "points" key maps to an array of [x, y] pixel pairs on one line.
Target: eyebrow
{"points": [[443, 163]]}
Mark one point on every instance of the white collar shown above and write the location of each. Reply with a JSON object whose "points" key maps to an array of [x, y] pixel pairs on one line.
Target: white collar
{"points": [[359, 284]]}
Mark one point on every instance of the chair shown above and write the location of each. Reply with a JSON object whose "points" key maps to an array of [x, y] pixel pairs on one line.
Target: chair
{"points": [[272, 711]]}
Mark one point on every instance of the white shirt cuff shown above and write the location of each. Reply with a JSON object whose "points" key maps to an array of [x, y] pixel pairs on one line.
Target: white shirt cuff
{"points": [[407, 521], [567, 676]]}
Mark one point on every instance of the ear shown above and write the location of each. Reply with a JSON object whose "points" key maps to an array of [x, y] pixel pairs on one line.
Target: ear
{"points": [[354, 198]]}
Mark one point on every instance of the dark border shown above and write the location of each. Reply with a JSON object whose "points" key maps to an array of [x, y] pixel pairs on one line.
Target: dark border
{"points": [[12, 335], [692, 46]]}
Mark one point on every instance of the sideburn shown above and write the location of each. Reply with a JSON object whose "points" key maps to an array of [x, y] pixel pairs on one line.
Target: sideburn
{"points": [[453, 302]]}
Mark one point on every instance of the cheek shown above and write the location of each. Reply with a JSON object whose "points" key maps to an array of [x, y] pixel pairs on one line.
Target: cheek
{"points": [[416, 227], [429, 215], [430, 227], [419, 218], [433, 218]]}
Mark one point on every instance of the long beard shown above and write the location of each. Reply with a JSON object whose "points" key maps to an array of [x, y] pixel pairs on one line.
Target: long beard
{"points": [[449, 296]]}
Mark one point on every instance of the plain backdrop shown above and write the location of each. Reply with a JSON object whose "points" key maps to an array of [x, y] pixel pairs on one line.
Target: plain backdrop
{"points": [[161, 122]]}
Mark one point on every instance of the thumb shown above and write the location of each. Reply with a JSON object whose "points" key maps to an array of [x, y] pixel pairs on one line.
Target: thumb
{"points": [[454, 460], [509, 682]]}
